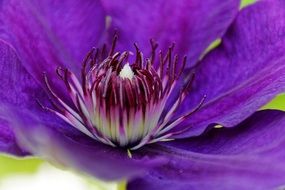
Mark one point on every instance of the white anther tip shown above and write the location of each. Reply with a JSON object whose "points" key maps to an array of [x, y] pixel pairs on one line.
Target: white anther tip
{"points": [[126, 72]]}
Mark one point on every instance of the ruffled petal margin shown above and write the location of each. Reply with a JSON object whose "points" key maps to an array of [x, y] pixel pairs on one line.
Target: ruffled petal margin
{"points": [[244, 73], [191, 24], [250, 156]]}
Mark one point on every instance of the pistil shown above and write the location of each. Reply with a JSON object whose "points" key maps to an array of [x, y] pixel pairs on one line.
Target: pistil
{"points": [[123, 104], [126, 72]]}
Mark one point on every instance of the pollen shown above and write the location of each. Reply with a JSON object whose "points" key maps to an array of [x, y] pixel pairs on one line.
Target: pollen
{"points": [[127, 72], [218, 126]]}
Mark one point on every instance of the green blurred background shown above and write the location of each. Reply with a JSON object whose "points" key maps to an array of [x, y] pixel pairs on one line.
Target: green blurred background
{"points": [[25, 172]]}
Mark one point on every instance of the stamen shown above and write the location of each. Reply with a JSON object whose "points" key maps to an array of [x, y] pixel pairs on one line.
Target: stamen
{"points": [[121, 103], [129, 153]]}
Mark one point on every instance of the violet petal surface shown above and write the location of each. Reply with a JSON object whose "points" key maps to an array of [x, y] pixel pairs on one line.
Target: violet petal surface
{"points": [[78, 151], [249, 156], [191, 24], [244, 73]]}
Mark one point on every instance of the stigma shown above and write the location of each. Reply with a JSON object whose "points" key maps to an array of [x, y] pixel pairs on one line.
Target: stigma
{"points": [[126, 72], [124, 103]]}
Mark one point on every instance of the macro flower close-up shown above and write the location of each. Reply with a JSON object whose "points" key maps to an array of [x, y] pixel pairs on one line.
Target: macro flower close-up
{"points": [[158, 94]]}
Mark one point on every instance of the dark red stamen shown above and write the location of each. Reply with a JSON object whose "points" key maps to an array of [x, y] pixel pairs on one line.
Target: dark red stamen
{"points": [[124, 109]]}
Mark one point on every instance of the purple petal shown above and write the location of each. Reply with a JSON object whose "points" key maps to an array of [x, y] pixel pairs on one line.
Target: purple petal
{"points": [[79, 152], [191, 24], [17, 88], [245, 72], [51, 33], [8, 143], [250, 156]]}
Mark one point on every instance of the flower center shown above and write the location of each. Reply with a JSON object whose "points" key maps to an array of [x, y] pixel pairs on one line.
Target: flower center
{"points": [[123, 104]]}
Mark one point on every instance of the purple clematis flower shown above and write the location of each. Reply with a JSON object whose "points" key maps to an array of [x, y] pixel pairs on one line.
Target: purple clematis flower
{"points": [[137, 113]]}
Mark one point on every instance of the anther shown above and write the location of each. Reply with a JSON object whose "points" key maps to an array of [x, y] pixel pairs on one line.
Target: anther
{"points": [[122, 103]]}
